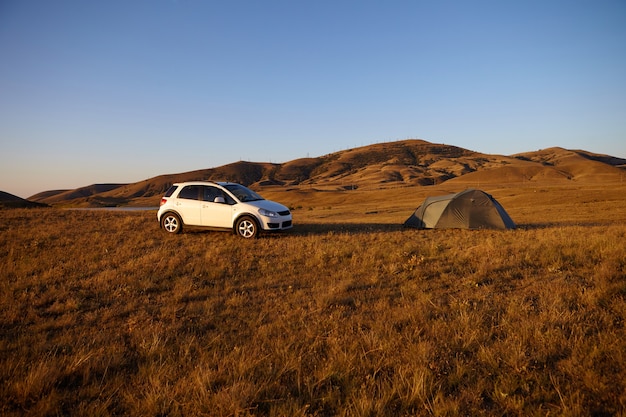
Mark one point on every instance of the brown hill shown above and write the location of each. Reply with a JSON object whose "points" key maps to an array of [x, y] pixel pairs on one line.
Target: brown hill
{"points": [[46, 194], [383, 165], [406, 162], [12, 201]]}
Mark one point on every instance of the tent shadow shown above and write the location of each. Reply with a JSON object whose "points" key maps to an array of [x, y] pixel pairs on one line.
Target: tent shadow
{"points": [[550, 225]]}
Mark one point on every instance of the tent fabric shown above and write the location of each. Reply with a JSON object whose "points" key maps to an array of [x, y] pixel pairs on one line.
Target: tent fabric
{"points": [[469, 209]]}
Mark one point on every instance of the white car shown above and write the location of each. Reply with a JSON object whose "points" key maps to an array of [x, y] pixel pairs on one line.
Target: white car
{"points": [[220, 206]]}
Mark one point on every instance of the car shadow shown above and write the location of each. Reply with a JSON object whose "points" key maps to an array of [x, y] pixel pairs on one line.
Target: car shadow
{"points": [[312, 229], [346, 228], [308, 229]]}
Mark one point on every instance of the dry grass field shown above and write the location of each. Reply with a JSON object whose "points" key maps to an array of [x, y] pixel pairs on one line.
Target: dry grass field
{"points": [[349, 314]]}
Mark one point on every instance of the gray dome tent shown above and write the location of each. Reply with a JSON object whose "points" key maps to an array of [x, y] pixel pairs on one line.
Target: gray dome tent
{"points": [[469, 209]]}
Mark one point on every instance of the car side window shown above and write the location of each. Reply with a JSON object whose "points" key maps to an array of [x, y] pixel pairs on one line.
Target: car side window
{"points": [[190, 192], [229, 200], [210, 193]]}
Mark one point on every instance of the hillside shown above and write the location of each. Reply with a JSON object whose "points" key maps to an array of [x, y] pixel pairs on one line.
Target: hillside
{"points": [[12, 201], [382, 165]]}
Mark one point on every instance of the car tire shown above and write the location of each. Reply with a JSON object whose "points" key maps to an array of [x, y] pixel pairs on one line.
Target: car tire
{"points": [[171, 223], [247, 227]]}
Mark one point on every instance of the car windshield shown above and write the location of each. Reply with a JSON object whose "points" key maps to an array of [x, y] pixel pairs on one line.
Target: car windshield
{"points": [[242, 193]]}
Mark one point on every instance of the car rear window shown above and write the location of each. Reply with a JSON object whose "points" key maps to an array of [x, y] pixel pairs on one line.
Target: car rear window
{"points": [[170, 191]]}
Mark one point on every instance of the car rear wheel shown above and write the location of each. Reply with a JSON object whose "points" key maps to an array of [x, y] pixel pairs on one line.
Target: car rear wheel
{"points": [[247, 227], [171, 223]]}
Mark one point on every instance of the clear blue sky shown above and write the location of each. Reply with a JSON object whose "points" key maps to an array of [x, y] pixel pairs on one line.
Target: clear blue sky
{"points": [[124, 90]]}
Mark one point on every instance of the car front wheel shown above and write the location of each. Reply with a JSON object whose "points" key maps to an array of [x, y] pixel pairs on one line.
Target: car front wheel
{"points": [[171, 223], [247, 228]]}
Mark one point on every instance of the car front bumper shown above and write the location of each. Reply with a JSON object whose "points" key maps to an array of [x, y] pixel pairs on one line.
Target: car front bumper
{"points": [[276, 223]]}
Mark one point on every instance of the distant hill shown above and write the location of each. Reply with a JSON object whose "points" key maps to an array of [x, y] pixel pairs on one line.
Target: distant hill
{"points": [[576, 164], [552, 164], [12, 201], [401, 163], [82, 193]]}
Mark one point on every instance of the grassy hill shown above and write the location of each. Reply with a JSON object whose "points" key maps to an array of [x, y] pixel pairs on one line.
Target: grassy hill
{"points": [[377, 166]]}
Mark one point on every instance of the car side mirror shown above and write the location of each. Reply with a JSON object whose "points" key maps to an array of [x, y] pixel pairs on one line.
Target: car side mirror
{"points": [[219, 200]]}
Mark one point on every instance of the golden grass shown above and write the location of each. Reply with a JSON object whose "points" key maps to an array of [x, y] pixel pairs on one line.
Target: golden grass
{"points": [[101, 313]]}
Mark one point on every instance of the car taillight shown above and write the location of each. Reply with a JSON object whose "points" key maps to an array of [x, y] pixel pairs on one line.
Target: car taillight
{"points": [[163, 201]]}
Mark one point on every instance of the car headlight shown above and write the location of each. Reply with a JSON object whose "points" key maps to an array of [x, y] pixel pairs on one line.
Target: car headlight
{"points": [[267, 213]]}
